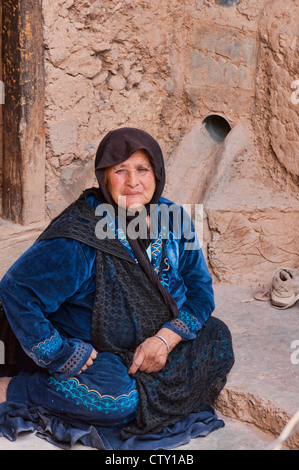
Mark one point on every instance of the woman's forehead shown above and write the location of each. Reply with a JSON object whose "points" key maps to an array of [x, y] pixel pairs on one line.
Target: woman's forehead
{"points": [[137, 158]]}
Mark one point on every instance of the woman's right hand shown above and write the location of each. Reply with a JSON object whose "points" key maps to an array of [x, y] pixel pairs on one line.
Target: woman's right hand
{"points": [[151, 355], [89, 362]]}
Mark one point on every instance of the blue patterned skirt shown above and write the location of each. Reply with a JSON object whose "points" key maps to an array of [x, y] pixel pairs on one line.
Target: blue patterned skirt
{"points": [[90, 408], [104, 394]]}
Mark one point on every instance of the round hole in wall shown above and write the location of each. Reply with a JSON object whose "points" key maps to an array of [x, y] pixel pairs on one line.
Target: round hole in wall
{"points": [[217, 126], [227, 3]]}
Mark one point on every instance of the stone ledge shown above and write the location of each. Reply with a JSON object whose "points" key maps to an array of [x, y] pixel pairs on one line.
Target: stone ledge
{"points": [[258, 411], [262, 387]]}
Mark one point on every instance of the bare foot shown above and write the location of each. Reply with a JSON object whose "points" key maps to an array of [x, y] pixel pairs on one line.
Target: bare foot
{"points": [[4, 381]]}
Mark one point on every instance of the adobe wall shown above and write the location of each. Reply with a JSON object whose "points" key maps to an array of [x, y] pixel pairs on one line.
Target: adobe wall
{"points": [[276, 114], [165, 67], [162, 66]]}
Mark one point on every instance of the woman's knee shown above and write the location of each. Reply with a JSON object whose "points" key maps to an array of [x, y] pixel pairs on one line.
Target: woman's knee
{"points": [[85, 401]]}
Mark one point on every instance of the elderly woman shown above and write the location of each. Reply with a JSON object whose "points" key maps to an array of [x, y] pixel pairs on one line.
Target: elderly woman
{"points": [[113, 326]]}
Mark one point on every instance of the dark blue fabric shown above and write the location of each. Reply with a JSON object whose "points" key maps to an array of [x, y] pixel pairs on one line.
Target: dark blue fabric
{"points": [[16, 418], [51, 278], [104, 394], [48, 297]]}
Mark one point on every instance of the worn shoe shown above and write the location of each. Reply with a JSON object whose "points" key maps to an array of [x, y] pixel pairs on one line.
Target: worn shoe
{"points": [[285, 288], [263, 292]]}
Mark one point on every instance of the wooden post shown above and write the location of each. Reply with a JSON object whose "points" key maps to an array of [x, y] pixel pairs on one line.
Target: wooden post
{"points": [[23, 112], [1, 112]]}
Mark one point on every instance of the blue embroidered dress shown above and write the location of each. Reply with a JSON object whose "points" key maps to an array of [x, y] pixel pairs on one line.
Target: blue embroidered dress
{"points": [[48, 297]]}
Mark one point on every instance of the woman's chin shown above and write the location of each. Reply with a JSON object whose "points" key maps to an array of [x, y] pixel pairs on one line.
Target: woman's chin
{"points": [[132, 204], [135, 207]]}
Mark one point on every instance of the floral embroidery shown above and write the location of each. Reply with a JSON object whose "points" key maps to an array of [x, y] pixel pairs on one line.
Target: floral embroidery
{"points": [[157, 247], [186, 322], [122, 238], [157, 253], [48, 346], [164, 277], [124, 241], [172, 250], [91, 399]]}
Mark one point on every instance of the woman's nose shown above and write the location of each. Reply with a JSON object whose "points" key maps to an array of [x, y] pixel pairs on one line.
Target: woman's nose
{"points": [[132, 179]]}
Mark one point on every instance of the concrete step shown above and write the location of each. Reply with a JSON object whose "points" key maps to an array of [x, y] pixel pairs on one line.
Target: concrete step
{"points": [[236, 435], [262, 388]]}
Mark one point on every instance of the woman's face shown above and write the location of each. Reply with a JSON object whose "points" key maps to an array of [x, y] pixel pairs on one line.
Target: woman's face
{"points": [[131, 183]]}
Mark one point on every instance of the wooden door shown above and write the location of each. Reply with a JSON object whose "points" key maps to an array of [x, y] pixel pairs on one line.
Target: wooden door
{"points": [[1, 114]]}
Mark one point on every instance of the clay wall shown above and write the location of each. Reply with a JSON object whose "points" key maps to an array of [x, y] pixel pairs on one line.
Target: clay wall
{"points": [[162, 66], [165, 67]]}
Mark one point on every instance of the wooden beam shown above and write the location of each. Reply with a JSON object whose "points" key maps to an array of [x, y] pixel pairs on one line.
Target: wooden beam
{"points": [[23, 112], [1, 112]]}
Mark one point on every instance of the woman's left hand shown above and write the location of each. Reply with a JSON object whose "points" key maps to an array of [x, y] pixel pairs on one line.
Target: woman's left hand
{"points": [[151, 355], [90, 360]]}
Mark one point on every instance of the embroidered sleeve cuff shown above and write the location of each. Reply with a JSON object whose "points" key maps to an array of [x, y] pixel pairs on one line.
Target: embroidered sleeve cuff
{"points": [[76, 361], [186, 325], [62, 357]]}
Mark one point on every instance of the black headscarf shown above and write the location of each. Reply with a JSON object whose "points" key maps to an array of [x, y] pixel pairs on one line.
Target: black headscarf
{"points": [[116, 147]]}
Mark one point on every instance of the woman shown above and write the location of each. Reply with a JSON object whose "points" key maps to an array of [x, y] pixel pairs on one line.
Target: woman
{"points": [[115, 322]]}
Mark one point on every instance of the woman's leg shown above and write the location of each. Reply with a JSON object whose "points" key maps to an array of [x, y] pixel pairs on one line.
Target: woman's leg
{"points": [[104, 394]]}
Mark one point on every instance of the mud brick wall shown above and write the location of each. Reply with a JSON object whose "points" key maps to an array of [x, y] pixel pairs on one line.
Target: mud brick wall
{"points": [[162, 66], [76, 69]]}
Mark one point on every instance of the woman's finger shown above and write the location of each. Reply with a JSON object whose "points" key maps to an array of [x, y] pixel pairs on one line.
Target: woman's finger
{"points": [[94, 354], [90, 360], [83, 368], [137, 361]]}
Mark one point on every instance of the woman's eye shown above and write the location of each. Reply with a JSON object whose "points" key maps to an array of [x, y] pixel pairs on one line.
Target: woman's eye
{"points": [[143, 169], [119, 171]]}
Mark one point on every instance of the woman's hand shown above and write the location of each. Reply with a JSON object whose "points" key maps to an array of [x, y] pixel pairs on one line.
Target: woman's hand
{"points": [[151, 355], [89, 362]]}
